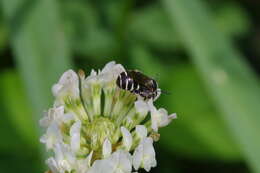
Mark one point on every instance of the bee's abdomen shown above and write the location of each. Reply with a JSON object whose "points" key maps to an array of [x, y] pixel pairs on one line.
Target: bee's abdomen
{"points": [[126, 82]]}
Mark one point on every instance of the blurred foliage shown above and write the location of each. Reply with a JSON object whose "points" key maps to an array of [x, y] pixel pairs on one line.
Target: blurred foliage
{"points": [[18, 109], [188, 97], [41, 39], [17, 127], [233, 86]]}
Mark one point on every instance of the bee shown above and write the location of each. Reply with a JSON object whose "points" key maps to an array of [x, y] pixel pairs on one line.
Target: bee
{"points": [[138, 83]]}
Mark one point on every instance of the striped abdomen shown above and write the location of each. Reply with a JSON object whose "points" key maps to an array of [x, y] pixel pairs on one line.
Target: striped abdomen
{"points": [[126, 82]]}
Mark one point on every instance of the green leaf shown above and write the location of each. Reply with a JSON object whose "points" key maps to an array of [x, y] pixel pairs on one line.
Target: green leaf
{"points": [[232, 19], [196, 111], [39, 45], [87, 36], [199, 124], [17, 128], [151, 26], [230, 81], [3, 32], [143, 59], [40, 48], [18, 108]]}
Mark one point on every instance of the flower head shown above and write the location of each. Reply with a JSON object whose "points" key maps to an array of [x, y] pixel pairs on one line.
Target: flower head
{"points": [[96, 127]]}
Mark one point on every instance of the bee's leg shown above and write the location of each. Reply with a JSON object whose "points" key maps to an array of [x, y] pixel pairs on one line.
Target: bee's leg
{"points": [[146, 97]]}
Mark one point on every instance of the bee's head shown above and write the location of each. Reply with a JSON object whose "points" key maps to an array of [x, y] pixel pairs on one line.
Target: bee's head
{"points": [[153, 85], [151, 89]]}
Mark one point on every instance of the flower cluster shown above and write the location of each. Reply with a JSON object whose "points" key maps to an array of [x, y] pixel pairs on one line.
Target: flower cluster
{"points": [[96, 127]]}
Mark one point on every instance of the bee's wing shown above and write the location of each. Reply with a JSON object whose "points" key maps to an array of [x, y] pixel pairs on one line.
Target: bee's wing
{"points": [[139, 78]]}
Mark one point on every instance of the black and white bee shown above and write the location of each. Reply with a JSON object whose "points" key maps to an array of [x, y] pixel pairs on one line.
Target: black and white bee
{"points": [[138, 83]]}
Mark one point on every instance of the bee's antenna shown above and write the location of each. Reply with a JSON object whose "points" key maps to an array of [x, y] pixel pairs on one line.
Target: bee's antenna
{"points": [[164, 92]]}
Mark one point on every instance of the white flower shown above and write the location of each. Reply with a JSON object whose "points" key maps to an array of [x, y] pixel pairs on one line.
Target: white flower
{"points": [[84, 164], [96, 127], [52, 136], [141, 107], [64, 159], [141, 131], [160, 118], [127, 138], [75, 136], [107, 148], [118, 162], [144, 155], [68, 83], [53, 114], [111, 71], [122, 162], [57, 115], [53, 165]]}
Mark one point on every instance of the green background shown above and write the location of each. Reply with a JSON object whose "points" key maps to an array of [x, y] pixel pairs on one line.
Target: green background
{"points": [[203, 53]]}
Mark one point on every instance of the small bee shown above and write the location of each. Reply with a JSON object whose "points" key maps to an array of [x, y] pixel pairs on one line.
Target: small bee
{"points": [[138, 83]]}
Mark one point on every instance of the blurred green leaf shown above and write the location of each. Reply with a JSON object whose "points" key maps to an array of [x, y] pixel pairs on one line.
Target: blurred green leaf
{"points": [[3, 36], [198, 124], [143, 59], [232, 19], [151, 26], [230, 81], [19, 143], [7, 132], [40, 47], [3, 32], [13, 163], [87, 37], [196, 111], [18, 108]]}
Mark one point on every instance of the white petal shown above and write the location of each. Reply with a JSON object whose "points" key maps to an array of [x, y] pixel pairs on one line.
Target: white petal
{"points": [[52, 164], [121, 161], [144, 155], [65, 159], [53, 114], [172, 116], [108, 67], [58, 151], [56, 88], [141, 131], [149, 154], [112, 70], [118, 162], [56, 114], [93, 73], [125, 162], [66, 118], [137, 156], [101, 166], [75, 136], [84, 164], [154, 122], [67, 83], [68, 77], [127, 138], [159, 117], [88, 159], [107, 148], [52, 136], [141, 107], [44, 122]]}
